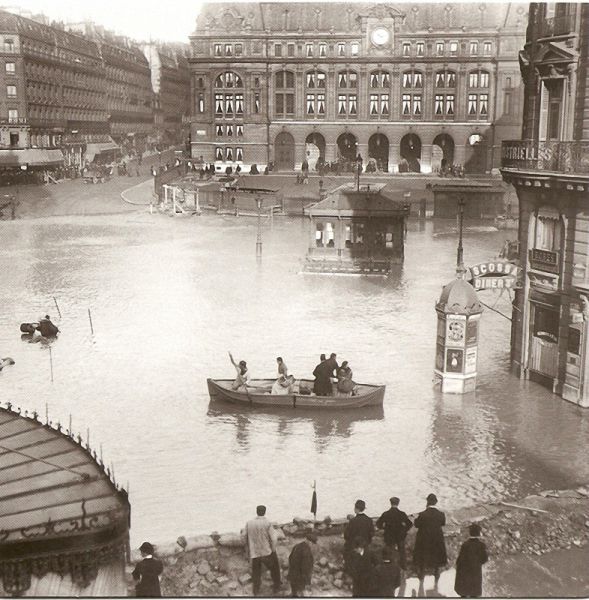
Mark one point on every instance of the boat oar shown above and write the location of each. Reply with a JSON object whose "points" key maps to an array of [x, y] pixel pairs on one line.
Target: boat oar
{"points": [[57, 306]]}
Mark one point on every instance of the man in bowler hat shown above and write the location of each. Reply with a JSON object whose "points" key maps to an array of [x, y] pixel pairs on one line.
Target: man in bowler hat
{"points": [[147, 573], [469, 565], [360, 526], [430, 549]]}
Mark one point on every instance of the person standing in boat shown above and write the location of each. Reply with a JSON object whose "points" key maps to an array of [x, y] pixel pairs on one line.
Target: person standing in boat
{"points": [[282, 368], [322, 384], [243, 377]]}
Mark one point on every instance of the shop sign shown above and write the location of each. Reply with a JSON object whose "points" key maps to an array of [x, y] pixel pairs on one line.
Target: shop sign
{"points": [[496, 274], [470, 361], [454, 360]]}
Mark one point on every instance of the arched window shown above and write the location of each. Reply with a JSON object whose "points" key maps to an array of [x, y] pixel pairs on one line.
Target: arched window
{"points": [[315, 84], [380, 79], [229, 102], [284, 98], [445, 79], [478, 79], [413, 79]]}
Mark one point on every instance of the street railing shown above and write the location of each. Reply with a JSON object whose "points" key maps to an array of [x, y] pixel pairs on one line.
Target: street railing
{"points": [[548, 155]]}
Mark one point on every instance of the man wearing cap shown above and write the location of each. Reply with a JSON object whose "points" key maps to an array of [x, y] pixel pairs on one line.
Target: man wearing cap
{"points": [[300, 565], [430, 549], [147, 573], [260, 545], [396, 524], [360, 526], [469, 565]]}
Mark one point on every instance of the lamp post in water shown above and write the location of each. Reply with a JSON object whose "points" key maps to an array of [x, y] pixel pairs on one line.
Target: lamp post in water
{"points": [[460, 270], [259, 238]]}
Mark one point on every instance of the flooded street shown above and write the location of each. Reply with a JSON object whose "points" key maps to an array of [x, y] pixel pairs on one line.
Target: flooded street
{"points": [[169, 298]]}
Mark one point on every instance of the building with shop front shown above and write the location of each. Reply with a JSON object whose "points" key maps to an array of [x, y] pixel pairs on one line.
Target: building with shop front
{"points": [[549, 168], [409, 87], [357, 229]]}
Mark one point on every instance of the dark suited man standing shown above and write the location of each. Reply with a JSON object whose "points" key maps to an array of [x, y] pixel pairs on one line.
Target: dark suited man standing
{"points": [[359, 527], [396, 524], [147, 573]]}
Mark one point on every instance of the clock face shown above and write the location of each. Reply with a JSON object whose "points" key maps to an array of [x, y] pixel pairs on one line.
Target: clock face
{"points": [[380, 36]]}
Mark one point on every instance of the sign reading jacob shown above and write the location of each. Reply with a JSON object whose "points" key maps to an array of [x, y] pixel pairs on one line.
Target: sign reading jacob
{"points": [[495, 274]]}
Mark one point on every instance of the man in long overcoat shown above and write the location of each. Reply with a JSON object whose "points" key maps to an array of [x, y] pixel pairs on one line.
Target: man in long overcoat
{"points": [[300, 565], [430, 549], [359, 527], [322, 384], [469, 565], [361, 566], [396, 524], [147, 573]]}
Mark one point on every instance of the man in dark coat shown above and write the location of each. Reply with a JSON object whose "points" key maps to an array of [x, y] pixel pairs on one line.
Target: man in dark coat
{"points": [[300, 565], [387, 575], [361, 566], [469, 565], [47, 328], [359, 527], [430, 549], [333, 367], [322, 384], [396, 524], [147, 573]]}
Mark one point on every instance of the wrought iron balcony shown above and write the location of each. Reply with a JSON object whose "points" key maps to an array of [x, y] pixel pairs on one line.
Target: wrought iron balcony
{"points": [[550, 156]]}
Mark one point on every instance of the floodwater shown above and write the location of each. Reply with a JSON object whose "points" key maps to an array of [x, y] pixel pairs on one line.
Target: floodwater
{"points": [[169, 298]]}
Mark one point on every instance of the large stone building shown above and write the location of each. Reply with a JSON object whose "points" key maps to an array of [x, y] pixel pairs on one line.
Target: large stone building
{"points": [[549, 168], [404, 86]]}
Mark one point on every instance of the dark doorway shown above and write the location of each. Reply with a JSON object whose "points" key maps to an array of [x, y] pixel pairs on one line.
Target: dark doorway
{"points": [[347, 145], [410, 153], [476, 154], [446, 144], [284, 152], [378, 152]]}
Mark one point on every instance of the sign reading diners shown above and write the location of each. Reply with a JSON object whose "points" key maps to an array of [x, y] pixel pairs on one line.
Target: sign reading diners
{"points": [[495, 274]]}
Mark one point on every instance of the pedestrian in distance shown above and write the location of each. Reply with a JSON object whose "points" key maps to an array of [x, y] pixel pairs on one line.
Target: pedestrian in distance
{"points": [[147, 573], [396, 524], [430, 549], [359, 527], [469, 565], [387, 575], [260, 545], [300, 565], [362, 568]]}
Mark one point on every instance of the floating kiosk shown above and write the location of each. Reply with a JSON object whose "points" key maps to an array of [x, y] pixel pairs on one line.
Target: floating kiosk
{"points": [[64, 523]]}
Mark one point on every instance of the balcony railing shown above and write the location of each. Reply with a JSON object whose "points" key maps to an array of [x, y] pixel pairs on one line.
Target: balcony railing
{"points": [[14, 121], [550, 156], [554, 26]]}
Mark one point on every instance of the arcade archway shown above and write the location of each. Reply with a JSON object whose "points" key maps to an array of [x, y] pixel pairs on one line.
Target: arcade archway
{"points": [[378, 153], [445, 151], [410, 150], [315, 150], [347, 146], [476, 154], [284, 152]]}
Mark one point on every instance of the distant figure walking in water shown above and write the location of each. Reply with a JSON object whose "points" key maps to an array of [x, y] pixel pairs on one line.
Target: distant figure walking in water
{"points": [[469, 565], [46, 328], [430, 549], [147, 573], [260, 546], [243, 377]]}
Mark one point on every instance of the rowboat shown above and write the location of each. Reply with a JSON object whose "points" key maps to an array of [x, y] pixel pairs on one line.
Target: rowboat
{"points": [[258, 395]]}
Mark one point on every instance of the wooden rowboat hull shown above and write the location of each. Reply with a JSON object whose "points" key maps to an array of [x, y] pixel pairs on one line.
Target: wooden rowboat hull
{"points": [[220, 389]]}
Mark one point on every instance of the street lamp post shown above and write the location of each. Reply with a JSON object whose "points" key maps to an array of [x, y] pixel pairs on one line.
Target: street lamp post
{"points": [[460, 270], [259, 237]]}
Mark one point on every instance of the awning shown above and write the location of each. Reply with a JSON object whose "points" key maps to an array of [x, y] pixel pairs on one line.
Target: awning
{"points": [[98, 148], [33, 157]]}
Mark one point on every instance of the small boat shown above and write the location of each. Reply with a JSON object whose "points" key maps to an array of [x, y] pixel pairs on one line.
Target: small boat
{"points": [[258, 395]]}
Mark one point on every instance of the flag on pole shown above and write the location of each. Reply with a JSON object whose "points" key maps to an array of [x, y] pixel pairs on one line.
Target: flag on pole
{"points": [[314, 500]]}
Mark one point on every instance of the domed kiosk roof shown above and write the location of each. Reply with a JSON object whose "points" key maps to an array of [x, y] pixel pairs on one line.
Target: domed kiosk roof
{"points": [[459, 298]]}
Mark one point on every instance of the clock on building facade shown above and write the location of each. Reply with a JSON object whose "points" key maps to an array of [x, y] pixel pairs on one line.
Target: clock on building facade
{"points": [[380, 36]]}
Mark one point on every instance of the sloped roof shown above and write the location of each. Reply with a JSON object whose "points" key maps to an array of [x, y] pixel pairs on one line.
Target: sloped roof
{"points": [[343, 16]]}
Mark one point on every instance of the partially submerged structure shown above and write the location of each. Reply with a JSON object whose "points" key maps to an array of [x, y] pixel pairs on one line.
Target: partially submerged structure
{"points": [[357, 230], [64, 523]]}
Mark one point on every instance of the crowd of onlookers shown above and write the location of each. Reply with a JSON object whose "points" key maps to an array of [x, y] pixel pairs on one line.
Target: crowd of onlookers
{"points": [[373, 573]]}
